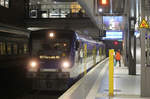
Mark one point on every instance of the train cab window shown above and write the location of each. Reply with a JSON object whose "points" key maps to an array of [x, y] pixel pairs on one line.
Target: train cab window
{"points": [[15, 49], [8, 48], [25, 48]]}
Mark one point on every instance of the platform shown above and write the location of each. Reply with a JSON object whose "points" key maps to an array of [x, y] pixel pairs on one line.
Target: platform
{"points": [[95, 84]]}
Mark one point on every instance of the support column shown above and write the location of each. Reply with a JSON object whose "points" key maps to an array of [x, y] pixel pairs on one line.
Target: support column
{"points": [[132, 51], [145, 69], [131, 39]]}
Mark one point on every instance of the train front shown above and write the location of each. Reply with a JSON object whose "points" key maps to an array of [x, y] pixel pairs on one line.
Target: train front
{"points": [[50, 62]]}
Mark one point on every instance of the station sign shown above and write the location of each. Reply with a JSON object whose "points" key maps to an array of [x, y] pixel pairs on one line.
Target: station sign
{"points": [[144, 24]]}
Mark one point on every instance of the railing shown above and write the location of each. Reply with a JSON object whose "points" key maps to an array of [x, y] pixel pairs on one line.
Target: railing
{"points": [[55, 13]]}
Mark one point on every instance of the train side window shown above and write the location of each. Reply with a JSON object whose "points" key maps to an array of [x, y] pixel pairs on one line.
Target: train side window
{"points": [[8, 48], [25, 48], [15, 49], [102, 51], [20, 49], [2, 48]]}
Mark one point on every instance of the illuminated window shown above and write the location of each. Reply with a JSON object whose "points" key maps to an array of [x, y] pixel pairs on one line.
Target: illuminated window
{"points": [[20, 50], [8, 48], [2, 48], [75, 7], [25, 48], [15, 48], [7, 3], [4, 3]]}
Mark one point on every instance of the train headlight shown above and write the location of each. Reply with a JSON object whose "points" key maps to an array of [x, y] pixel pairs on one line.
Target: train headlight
{"points": [[66, 64], [33, 64]]}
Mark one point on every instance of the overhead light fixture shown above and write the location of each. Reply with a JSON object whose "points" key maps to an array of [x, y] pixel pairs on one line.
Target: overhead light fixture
{"points": [[104, 2], [38, 2], [51, 35], [54, 1], [100, 10]]}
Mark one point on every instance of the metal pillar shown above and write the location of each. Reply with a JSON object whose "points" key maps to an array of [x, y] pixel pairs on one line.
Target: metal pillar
{"points": [[145, 65], [132, 52], [131, 40], [125, 41]]}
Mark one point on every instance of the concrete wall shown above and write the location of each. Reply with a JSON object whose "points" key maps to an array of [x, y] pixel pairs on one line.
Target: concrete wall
{"points": [[14, 15]]}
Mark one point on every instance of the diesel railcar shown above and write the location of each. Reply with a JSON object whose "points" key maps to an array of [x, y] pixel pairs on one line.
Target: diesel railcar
{"points": [[60, 56]]}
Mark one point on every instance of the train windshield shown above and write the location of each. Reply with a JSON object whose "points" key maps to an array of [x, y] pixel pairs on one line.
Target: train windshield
{"points": [[50, 47]]}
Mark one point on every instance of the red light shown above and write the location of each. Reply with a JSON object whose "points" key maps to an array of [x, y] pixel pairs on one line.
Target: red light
{"points": [[116, 43], [103, 2]]}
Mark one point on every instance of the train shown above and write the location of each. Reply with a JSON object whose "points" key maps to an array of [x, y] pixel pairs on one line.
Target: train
{"points": [[14, 49], [14, 54], [60, 56]]}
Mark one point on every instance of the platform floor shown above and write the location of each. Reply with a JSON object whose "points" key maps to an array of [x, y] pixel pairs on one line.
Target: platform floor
{"points": [[95, 84], [125, 86]]}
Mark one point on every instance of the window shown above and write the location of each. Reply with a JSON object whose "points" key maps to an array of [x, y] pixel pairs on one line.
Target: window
{"points": [[2, 48], [4, 3], [75, 7], [7, 3], [15, 49], [8, 48], [25, 48], [20, 49]]}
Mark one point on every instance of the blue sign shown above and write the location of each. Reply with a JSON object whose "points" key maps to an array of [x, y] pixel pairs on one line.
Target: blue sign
{"points": [[113, 35]]}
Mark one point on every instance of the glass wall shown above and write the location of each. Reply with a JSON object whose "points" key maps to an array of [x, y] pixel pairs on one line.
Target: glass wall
{"points": [[4, 3]]}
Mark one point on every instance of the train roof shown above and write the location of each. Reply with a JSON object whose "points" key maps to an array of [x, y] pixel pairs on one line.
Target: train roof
{"points": [[54, 30], [88, 39], [60, 33], [68, 32]]}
